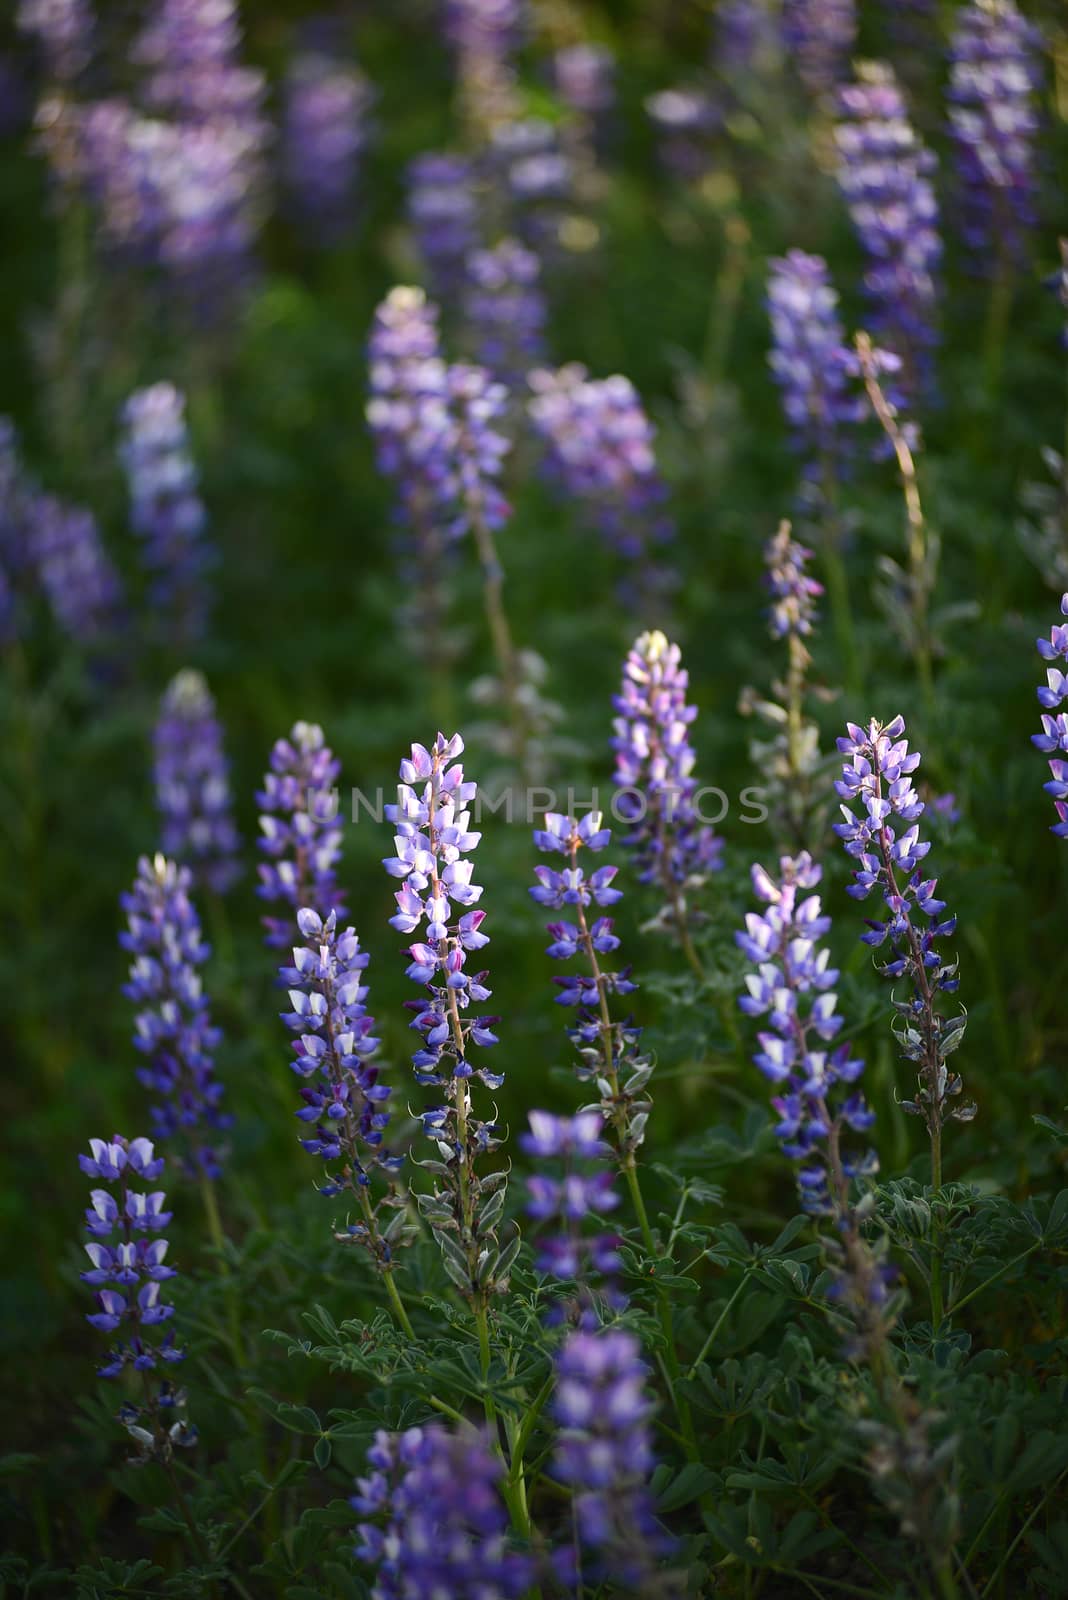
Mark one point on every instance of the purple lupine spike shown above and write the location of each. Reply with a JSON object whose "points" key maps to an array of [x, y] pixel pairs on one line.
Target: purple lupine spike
{"points": [[128, 1266], [64, 31], [166, 510], [793, 986], [819, 36], [505, 309], [745, 40], [327, 106], [993, 115], [584, 76], [885, 174], [656, 790], [810, 359], [172, 1024], [599, 445], [193, 784], [686, 120], [75, 571], [792, 613], [885, 843], [432, 1517], [604, 1453], [300, 824], [190, 51], [478, 407], [484, 35], [535, 178], [561, 1205], [1053, 740], [443, 213]]}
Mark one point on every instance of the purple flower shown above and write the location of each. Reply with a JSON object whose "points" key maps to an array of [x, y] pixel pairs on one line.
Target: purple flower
{"points": [[792, 613], [505, 309], [1053, 740], [656, 790], [686, 120], [193, 784], [300, 825], [884, 842], [443, 213], [166, 509], [819, 36], [993, 94], [190, 50], [885, 174], [64, 31], [584, 76], [433, 1520], [477, 406], [745, 40], [75, 571], [604, 1453], [325, 133], [561, 1205], [535, 179], [809, 358], [172, 1025]]}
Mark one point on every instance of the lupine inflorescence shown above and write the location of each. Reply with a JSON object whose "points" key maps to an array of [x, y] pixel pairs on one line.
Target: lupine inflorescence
{"points": [[993, 114], [884, 841], [300, 827], [193, 784], [819, 36], [604, 1453], [810, 359], [433, 837], [64, 29], [885, 174], [443, 212], [166, 509], [172, 1025], [75, 571], [505, 309], [128, 1268], [433, 1521], [657, 792], [327, 102], [1053, 740], [582, 1193]]}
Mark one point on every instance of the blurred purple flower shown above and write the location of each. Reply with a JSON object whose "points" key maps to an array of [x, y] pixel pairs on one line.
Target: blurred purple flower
{"points": [[300, 827], [193, 784], [1053, 740], [325, 132], [75, 571], [819, 36], [505, 309]]}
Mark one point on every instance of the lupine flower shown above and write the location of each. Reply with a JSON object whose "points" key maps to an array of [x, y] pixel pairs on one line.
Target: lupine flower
{"points": [[75, 571], [745, 41], [128, 1267], [193, 784], [885, 843], [343, 1100], [535, 176], [792, 613], [819, 36], [191, 50], [434, 1522], [810, 359], [604, 1453], [562, 1204], [477, 406], [655, 783], [608, 1051], [443, 213], [64, 30], [993, 95], [505, 309], [584, 76], [484, 35], [325, 134], [686, 120], [166, 509], [433, 837], [1053, 740], [300, 823], [600, 451], [885, 174], [172, 1024]]}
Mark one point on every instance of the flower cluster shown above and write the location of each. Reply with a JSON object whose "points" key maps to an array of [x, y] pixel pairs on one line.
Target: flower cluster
{"points": [[342, 1096], [1053, 740], [193, 784], [809, 358], [75, 571], [190, 50], [325, 134], [819, 36], [433, 1520], [63, 29], [993, 94], [172, 1025], [884, 841], [793, 986], [433, 837], [300, 827], [443, 213], [127, 1268], [166, 509], [562, 1204], [885, 174], [584, 77], [655, 783], [607, 1051], [792, 614], [604, 1453], [746, 40], [685, 119], [505, 309], [534, 178], [599, 445]]}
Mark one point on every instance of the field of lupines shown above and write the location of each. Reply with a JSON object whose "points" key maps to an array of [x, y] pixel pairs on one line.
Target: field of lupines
{"points": [[535, 989]]}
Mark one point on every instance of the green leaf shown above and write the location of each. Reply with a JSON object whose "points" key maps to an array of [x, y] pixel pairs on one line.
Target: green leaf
{"points": [[692, 1482], [321, 1453]]}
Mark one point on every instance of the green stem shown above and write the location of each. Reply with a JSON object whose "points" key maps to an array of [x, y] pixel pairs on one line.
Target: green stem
{"points": [[958, 1305], [720, 1320], [937, 1304], [399, 1310], [218, 1239]]}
